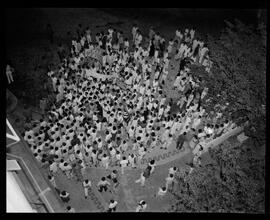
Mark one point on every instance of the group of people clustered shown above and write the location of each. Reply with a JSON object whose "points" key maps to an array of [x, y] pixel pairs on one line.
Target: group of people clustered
{"points": [[111, 107]]}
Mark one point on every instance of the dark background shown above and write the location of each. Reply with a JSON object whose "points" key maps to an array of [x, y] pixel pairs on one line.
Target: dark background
{"points": [[30, 52]]}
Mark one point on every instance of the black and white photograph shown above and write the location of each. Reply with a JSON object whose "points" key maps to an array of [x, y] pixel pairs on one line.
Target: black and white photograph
{"points": [[124, 110]]}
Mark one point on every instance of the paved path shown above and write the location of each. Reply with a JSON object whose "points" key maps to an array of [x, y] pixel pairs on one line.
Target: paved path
{"points": [[128, 196], [164, 156]]}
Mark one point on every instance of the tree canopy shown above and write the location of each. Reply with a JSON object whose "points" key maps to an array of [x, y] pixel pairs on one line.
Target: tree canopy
{"points": [[233, 178], [237, 81], [230, 180]]}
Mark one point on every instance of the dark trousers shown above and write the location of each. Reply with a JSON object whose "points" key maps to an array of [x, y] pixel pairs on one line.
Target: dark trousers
{"points": [[102, 187], [179, 145], [112, 209], [65, 199]]}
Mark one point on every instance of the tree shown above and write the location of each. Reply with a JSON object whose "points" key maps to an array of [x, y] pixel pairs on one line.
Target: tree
{"points": [[237, 80], [232, 180]]}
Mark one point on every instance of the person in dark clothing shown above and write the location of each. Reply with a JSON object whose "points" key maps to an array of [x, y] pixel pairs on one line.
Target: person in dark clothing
{"points": [[182, 65], [114, 177], [199, 104], [162, 48], [114, 37], [180, 141], [99, 110], [196, 53], [145, 115], [64, 196], [144, 175], [104, 40], [152, 49]]}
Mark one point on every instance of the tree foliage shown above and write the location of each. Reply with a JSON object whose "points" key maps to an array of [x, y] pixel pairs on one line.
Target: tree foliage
{"points": [[238, 76], [233, 181]]}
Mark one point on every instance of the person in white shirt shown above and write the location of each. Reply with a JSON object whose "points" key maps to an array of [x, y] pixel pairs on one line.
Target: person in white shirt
{"points": [[168, 141], [196, 122], [152, 164], [52, 181], [86, 186], [53, 167], [94, 158], [173, 170], [134, 32], [88, 35], [103, 185], [65, 196], [198, 148], [114, 177], [123, 164], [138, 39], [105, 161], [203, 54], [126, 44], [112, 153], [112, 205], [170, 46], [141, 206], [131, 160], [30, 140], [67, 170], [204, 92], [118, 157], [193, 142], [9, 71], [142, 152], [197, 159], [169, 181], [161, 192]]}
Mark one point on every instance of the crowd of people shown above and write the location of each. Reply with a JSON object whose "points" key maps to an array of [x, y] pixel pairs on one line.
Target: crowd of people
{"points": [[111, 107]]}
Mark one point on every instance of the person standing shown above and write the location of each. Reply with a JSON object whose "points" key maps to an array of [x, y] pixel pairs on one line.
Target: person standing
{"points": [[112, 206], [9, 71], [64, 196], [123, 164], [144, 175], [152, 166], [105, 161], [86, 186], [141, 206], [169, 181], [52, 181], [173, 170], [161, 192], [114, 177], [193, 142], [131, 159], [180, 141], [103, 184], [134, 32]]}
